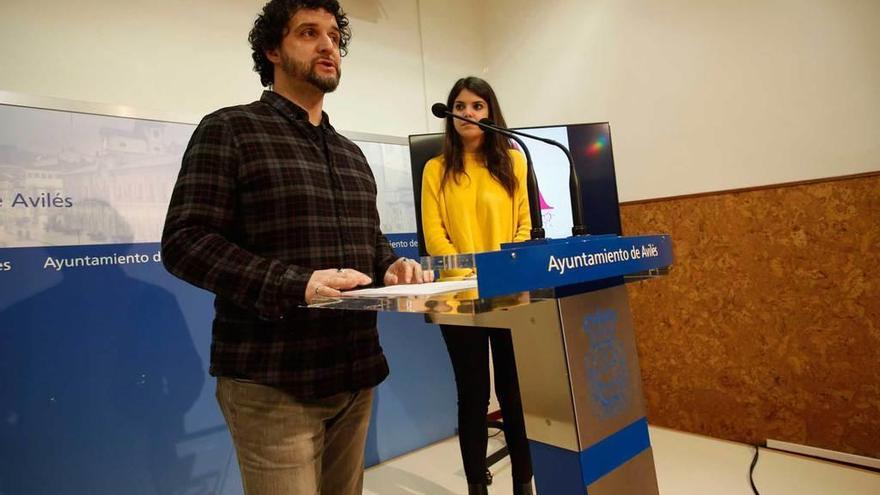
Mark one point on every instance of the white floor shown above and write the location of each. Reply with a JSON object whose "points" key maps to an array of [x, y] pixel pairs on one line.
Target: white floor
{"points": [[686, 464]]}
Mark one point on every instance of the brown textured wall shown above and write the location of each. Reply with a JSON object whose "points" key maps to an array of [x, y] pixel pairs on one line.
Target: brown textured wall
{"points": [[768, 325]]}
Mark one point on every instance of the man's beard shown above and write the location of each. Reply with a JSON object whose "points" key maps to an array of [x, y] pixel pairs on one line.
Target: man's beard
{"points": [[297, 69]]}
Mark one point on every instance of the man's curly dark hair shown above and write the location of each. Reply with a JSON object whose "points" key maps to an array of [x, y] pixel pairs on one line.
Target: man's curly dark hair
{"points": [[271, 27]]}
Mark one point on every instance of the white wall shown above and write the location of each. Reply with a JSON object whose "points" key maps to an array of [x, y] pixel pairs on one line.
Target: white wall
{"points": [[180, 60], [453, 47], [701, 95], [401, 64], [182, 57]]}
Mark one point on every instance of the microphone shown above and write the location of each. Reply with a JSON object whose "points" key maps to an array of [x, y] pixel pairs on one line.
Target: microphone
{"points": [[441, 111], [574, 184]]}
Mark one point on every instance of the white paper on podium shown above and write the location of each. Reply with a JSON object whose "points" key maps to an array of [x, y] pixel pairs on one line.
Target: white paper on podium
{"points": [[426, 289]]}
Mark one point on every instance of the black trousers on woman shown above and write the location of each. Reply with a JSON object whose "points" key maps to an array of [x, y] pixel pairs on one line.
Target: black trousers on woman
{"points": [[469, 352]]}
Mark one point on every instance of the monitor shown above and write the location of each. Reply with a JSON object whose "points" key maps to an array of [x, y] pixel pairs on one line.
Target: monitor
{"points": [[590, 147]]}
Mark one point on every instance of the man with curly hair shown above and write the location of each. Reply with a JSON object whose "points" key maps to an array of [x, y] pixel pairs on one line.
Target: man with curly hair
{"points": [[272, 210]]}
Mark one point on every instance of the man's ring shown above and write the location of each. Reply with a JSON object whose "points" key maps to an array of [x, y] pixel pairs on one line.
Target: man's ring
{"points": [[316, 289]]}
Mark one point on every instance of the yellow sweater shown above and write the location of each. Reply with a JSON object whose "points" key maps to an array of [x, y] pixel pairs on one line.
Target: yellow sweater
{"points": [[475, 214]]}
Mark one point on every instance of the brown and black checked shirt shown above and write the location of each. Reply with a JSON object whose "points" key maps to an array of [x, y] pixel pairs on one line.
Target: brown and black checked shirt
{"points": [[263, 199]]}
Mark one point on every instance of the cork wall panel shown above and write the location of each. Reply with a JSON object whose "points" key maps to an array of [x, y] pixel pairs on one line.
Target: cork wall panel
{"points": [[768, 325]]}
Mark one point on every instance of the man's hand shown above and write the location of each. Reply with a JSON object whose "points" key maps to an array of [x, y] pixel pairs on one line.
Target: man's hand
{"points": [[407, 271], [328, 283]]}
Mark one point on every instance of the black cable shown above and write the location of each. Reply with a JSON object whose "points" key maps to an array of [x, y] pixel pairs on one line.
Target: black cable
{"points": [[752, 470]]}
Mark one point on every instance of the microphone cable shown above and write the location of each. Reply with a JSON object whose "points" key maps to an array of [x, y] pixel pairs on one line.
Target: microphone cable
{"points": [[752, 470]]}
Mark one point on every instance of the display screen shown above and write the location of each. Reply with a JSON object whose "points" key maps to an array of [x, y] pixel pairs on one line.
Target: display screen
{"points": [[590, 147]]}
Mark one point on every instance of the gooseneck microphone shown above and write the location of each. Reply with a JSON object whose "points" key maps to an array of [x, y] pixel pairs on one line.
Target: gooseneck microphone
{"points": [[574, 184], [441, 111]]}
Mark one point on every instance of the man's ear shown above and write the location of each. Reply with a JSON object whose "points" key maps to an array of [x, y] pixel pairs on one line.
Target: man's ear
{"points": [[273, 55]]}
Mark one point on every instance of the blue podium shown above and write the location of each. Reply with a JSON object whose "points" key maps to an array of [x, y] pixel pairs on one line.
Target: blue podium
{"points": [[568, 310]]}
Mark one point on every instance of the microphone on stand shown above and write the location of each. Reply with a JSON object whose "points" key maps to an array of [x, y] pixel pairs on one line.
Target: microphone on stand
{"points": [[441, 111], [574, 184]]}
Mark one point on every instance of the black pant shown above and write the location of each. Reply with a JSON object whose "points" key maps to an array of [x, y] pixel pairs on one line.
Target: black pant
{"points": [[469, 352]]}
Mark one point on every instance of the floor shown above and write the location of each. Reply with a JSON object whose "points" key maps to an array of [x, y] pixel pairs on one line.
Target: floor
{"points": [[686, 464]]}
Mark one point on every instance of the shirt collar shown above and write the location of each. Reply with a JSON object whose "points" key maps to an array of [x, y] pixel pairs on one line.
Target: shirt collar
{"points": [[292, 111]]}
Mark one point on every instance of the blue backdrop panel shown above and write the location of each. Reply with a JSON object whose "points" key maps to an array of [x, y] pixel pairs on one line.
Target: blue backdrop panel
{"points": [[102, 375], [104, 386], [103, 369], [416, 405]]}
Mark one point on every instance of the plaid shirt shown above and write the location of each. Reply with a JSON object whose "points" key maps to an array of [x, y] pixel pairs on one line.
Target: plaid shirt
{"points": [[263, 199]]}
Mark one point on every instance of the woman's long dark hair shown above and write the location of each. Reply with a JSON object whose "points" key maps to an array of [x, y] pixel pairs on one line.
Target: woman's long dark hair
{"points": [[495, 146]]}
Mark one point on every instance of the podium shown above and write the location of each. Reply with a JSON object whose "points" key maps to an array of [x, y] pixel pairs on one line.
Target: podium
{"points": [[568, 310]]}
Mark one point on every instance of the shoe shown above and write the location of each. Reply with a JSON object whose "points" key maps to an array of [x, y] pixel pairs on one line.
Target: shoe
{"points": [[522, 489], [477, 489]]}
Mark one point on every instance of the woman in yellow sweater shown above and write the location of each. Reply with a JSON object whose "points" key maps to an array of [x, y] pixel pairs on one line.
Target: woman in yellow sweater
{"points": [[474, 199]]}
